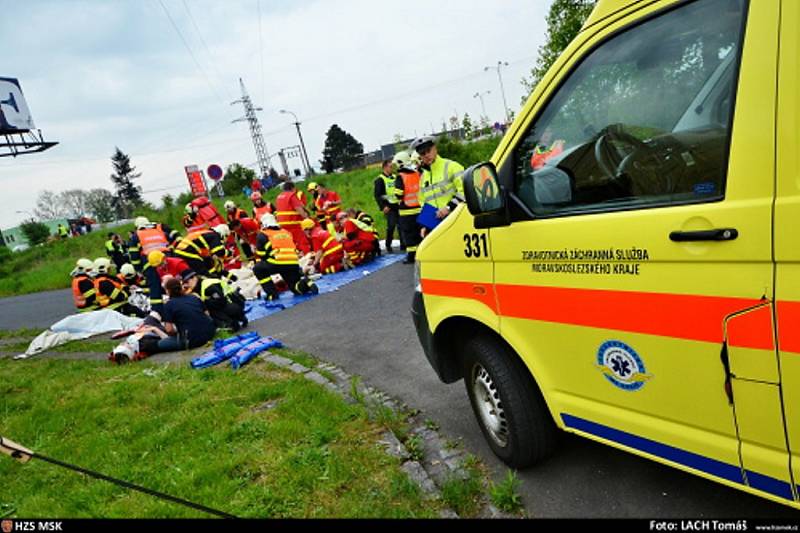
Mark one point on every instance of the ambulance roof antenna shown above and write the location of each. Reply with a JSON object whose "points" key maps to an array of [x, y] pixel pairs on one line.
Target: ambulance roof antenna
{"points": [[255, 129]]}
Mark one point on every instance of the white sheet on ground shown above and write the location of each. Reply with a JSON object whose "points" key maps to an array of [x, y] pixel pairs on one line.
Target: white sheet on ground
{"points": [[79, 326]]}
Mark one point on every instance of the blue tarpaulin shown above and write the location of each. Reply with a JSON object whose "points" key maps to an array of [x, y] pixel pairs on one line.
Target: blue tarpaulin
{"points": [[258, 309]]}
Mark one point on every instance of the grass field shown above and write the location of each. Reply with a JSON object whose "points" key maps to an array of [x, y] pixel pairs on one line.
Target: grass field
{"points": [[47, 267], [260, 442]]}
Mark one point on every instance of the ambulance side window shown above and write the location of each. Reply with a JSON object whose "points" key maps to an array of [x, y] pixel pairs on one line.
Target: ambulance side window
{"points": [[643, 121]]}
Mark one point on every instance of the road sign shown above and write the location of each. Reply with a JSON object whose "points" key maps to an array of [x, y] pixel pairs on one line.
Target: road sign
{"points": [[215, 172]]}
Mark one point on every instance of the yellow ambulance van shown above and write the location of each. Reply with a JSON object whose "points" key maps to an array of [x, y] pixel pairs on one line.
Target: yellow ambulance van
{"points": [[626, 268]]}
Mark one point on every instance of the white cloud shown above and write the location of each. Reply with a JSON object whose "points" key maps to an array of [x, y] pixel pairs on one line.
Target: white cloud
{"points": [[100, 74]]}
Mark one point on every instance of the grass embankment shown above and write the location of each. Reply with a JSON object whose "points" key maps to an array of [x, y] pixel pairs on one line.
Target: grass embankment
{"points": [[47, 267], [260, 442]]}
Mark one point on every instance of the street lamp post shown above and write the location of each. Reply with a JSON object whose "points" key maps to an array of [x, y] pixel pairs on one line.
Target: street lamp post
{"points": [[306, 163], [502, 89], [480, 95]]}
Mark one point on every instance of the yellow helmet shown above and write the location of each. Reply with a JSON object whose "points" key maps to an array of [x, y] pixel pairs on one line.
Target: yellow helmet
{"points": [[307, 224], [312, 186], [155, 258]]}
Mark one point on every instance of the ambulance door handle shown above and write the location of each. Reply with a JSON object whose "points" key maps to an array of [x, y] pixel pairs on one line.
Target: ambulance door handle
{"points": [[727, 234]]}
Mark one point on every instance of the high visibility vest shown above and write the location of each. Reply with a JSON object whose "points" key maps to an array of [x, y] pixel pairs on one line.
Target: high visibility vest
{"points": [[193, 224], [284, 212], [151, 239], [238, 214], [330, 245], [81, 298], [301, 195], [110, 247], [189, 247], [283, 248], [441, 183], [104, 300], [330, 213], [207, 213], [389, 195], [259, 211], [62, 231], [541, 154], [207, 283], [410, 202]]}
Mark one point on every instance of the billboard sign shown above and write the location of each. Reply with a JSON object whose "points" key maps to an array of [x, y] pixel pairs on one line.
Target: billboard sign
{"points": [[196, 181], [15, 117]]}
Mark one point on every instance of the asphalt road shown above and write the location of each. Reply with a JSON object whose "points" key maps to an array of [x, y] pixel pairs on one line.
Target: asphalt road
{"points": [[366, 329]]}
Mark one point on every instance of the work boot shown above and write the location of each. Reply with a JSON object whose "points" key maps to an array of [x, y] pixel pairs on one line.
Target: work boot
{"points": [[410, 258]]}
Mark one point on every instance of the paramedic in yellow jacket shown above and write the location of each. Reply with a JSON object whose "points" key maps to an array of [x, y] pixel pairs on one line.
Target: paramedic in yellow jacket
{"points": [[440, 184]]}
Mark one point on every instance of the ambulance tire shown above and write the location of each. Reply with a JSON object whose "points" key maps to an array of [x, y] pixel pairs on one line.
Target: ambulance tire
{"points": [[507, 403]]}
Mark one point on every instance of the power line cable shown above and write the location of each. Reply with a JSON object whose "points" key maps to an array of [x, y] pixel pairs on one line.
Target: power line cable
{"points": [[213, 57], [261, 52], [188, 49]]}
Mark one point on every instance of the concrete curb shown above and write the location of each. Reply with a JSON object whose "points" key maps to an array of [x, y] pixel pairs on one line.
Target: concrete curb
{"points": [[439, 462]]}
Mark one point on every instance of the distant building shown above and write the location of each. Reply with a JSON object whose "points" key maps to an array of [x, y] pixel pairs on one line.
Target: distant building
{"points": [[15, 238]]}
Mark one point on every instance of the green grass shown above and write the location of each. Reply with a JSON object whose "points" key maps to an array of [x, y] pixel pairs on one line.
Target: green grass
{"points": [[198, 435], [505, 494], [463, 493]]}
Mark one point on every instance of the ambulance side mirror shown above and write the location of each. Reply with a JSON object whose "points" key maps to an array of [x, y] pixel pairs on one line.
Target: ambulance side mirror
{"points": [[482, 190], [486, 198]]}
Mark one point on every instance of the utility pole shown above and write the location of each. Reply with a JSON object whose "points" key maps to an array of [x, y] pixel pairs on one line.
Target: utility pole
{"points": [[306, 162], [502, 89], [255, 130], [483, 105]]}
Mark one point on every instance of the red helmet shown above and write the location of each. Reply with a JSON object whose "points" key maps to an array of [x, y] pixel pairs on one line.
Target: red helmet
{"points": [[256, 196]]}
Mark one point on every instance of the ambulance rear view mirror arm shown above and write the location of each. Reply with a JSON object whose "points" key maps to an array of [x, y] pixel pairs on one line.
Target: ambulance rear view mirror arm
{"points": [[487, 200]]}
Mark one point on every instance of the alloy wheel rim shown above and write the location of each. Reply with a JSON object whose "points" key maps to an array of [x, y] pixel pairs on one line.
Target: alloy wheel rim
{"points": [[489, 406]]}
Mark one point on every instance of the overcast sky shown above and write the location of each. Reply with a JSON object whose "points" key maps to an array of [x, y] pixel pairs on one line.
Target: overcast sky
{"points": [[103, 73]]}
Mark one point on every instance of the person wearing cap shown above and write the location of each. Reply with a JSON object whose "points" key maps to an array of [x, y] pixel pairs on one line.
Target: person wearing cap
{"points": [[386, 198], [150, 237], [277, 255], [224, 303], [407, 190], [290, 212], [441, 185], [203, 250], [185, 319], [328, 252], [84, 293]]}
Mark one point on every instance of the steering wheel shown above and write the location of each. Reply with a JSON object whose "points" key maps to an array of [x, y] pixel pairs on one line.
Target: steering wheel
{"points": [[603, 149]]}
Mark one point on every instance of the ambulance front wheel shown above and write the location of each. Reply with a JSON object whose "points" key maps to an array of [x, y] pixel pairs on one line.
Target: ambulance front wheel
{"points": [[507, 403]]}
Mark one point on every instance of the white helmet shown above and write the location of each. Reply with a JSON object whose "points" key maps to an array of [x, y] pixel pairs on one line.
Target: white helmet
{"points": [[102, 265], [229, 205], [123, 353], [406, 160], [127, 270], [188, 209], [141, 222], [421, 142], [223, 230], [268, 220], [82, 266]]}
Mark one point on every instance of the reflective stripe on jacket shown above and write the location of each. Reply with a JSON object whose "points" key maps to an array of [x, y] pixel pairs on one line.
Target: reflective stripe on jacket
{"points": [[442, 183]]}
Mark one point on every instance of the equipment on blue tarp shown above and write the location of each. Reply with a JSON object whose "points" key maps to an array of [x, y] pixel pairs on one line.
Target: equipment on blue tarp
{"points": [[224, 350], [240, 350], [249, 352]]}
